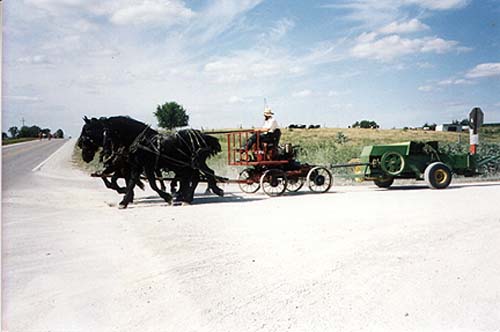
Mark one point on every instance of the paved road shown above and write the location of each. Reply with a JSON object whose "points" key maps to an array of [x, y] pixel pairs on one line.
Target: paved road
{"points": [[20, 159]]}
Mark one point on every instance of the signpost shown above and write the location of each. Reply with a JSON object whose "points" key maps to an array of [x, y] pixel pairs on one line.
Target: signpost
{"points": [[476, 118]]}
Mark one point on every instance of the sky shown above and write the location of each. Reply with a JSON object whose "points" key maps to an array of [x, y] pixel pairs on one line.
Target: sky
{"points": [[328, 62]]}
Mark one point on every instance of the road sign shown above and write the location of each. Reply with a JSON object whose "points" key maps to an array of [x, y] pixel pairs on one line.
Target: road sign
{"points": [[476, 118]]}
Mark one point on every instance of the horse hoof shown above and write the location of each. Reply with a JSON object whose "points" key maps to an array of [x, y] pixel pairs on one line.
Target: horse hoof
{"points": [[122, 206], [181, 203]]}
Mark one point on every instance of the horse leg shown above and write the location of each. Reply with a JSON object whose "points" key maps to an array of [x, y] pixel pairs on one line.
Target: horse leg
{"points": [[210, 174], [195, 179], [113, 184], [131, 182], [151, 175], [212, 185], [184, 179], [173, 185], [160, 176]]}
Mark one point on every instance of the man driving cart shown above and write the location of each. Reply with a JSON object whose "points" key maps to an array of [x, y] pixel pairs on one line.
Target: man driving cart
{"points": [[269, 133]]}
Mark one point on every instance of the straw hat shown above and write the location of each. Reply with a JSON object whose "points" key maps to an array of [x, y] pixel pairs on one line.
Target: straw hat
{"points": [[268, 111]]}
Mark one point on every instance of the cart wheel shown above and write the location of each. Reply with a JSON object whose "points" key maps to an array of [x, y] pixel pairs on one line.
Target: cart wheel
{"points": [[273, 182], [246, 181], [319, 179], [437, 175], [392, 163], [294, 184], [384, 182]]}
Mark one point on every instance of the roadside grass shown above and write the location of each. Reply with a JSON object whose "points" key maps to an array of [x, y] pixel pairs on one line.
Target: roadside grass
{"points": [[17, 140], [77, 160]]}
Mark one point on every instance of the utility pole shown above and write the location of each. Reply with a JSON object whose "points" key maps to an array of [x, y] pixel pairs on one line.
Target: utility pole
{"points": [[22, 120]]}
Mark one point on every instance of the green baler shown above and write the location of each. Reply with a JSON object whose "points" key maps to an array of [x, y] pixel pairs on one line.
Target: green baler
{"points": [[413, 160]]}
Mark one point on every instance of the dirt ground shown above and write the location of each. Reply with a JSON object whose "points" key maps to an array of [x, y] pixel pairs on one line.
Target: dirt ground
{"points": [[355, 259]]}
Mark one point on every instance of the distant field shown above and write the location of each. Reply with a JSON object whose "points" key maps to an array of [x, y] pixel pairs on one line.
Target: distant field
{"points": [[490, 134]]}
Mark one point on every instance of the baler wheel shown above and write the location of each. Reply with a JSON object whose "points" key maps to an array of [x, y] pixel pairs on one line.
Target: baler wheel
{"points": [[392, 163], [384, 182], [437, 175]]}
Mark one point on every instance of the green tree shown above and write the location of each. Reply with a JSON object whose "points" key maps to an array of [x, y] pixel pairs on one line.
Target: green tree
{"points": [[14, 131], [32, 131], [365, 124], [4, 135], [59, 133], [171, 115]]}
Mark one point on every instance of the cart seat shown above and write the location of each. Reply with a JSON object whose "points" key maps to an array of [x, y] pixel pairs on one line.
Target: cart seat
{"points": [[276, 139]]}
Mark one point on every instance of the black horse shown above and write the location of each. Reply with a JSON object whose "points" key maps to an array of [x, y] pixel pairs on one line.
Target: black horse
{"points": [[184, 153], [116, 164]]}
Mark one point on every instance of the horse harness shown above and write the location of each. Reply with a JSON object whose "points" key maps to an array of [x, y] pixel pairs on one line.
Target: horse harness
{"points": [[153, 145]]}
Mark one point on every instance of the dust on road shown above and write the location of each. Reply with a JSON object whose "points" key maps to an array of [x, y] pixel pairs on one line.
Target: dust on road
{"points": [[356, 258]]}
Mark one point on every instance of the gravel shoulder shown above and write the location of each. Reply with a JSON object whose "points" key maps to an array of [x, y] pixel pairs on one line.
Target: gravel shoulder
{"points": [[355, 259]]}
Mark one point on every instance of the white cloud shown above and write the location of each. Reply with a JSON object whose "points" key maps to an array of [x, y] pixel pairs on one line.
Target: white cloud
{"points": [[302, 94], [425, 88], [366, 37], [460, 81], [279, 30], [413, 25], [425, 65], [262, 63], [336, 93], [238, 100], [437, 45], [374, 13], [104, 53], [439, 4], [25, 99], [484, 70], [394, 46], [38, 59], [247, 65], [341, 106], [217, 18], [55, 4], [165, 12], [119, 12]]}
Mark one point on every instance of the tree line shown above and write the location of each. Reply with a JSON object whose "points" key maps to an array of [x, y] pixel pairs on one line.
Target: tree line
{"points": [[33, 132]]}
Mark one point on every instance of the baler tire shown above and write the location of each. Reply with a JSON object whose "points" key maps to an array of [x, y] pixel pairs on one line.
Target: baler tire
{"points": [[437, 175]]}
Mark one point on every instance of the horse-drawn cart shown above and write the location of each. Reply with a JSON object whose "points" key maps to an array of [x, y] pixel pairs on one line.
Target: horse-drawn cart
{"points": [[272, 167]]}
